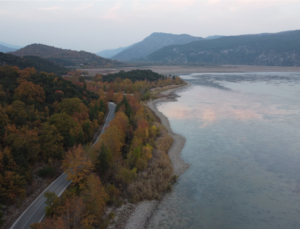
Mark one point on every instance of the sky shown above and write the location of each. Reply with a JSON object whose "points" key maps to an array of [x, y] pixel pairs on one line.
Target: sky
{"points": [[94, 26]]}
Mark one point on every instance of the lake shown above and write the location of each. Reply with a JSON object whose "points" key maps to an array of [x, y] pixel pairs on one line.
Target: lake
{"points": [[243, 147]]}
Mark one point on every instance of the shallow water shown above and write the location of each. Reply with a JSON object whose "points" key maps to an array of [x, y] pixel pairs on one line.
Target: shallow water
{"points": [[243, 147]]}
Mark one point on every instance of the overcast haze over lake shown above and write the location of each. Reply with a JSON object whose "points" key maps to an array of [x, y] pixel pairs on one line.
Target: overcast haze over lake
{"points": [[242, 134]]}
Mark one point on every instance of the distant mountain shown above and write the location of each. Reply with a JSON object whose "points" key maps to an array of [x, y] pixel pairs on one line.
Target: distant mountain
{"points": [[153, 43], [33, 62], [108, 53], [10, 45], [213, 37], [279, 49], [65, 57], [6, 49]]}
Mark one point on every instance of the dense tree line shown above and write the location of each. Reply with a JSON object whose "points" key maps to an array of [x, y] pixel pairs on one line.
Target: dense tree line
{"points": [[131, 85], [134, 75]]}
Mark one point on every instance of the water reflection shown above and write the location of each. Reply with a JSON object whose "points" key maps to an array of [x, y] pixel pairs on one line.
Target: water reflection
{"points": [[244, 152]]}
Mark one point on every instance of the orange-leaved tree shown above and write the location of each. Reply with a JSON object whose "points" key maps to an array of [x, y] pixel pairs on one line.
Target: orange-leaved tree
{"points": [[95, 196]]}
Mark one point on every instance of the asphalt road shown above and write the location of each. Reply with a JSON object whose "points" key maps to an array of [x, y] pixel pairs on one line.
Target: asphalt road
{"points": [[110, 116], [36, 211]]}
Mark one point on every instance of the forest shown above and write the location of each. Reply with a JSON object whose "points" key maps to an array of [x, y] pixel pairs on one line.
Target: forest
{"points": [[134, 75], [50, 121], [32, 62], [41, 116]]}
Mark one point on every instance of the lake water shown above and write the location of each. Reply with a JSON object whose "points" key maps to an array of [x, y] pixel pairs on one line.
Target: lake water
{"points": [[243, 147]]}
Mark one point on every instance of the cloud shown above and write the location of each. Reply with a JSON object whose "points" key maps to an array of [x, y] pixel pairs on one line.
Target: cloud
{"points": [[111, 13], [181, 3], [83, 7], [51, 8]]}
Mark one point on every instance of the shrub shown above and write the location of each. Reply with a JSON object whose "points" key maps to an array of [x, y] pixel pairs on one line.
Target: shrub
{"points": [[165, 141], [141, 164], [126, 176], [158, 176], [153, 181], [113, 193]]}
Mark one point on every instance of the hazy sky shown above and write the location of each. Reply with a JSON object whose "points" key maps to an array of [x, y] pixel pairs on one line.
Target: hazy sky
{"points": [[97, 25]]}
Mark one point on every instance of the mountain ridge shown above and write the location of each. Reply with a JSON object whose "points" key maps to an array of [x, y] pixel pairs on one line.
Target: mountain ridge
{"points": [[153, 43], [108, 53], [277, 49]]}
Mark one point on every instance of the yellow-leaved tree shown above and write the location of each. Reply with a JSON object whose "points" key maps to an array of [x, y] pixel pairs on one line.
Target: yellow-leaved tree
{"points": [[78, 166]]}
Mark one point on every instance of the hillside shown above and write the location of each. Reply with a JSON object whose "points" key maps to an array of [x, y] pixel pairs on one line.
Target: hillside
{"points": [[279, 49], [65, 57], [31, 62], [6, 49], [153, 43]]}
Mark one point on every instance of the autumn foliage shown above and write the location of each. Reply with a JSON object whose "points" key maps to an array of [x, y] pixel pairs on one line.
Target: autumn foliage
{"points": [[50, 121], [38, 126]]}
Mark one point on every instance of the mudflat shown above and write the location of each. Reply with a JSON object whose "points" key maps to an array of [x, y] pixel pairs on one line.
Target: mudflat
{"points": [[177, 70]]}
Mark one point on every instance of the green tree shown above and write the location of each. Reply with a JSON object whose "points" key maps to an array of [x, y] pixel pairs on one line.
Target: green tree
{"points": [[104, 159], [52, 202], [72, 105], [51, 141]]}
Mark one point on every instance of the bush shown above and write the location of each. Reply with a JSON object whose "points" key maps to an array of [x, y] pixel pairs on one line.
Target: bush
{"points": [[113, 193], [165, 141], [141, 164], [158, 176], [126, 176], [47, 172], [153, 181]]}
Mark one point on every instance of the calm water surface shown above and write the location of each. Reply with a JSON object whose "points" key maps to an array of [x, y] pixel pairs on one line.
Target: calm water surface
{"points": [[243, 147]]}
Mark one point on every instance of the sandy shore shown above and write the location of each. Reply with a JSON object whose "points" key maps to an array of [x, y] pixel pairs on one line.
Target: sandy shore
{"points": [[144, 210], [177, 70]]}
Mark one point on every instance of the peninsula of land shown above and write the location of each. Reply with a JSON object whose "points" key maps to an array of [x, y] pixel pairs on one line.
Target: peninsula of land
{"points": [[136, 216]]}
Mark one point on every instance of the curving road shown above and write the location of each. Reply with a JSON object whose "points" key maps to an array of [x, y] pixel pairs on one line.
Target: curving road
{"points": [[36, 211]]}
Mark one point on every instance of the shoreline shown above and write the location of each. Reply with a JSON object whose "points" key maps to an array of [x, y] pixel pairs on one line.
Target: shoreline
{"points": [[144, 210], [182, 70]]}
